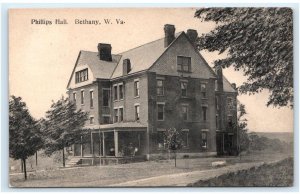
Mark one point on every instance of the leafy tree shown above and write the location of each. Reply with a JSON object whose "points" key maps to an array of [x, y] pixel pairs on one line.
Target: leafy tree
{"points": [[63, 126], [242, 128], [173, 140], [258, 41], [24, 135]]}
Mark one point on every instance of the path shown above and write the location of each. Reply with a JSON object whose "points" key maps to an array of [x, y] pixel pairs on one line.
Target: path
{"points": [[183, 179]]}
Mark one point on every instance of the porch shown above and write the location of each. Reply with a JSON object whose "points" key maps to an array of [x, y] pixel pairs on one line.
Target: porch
{"points": [[112, 144]]}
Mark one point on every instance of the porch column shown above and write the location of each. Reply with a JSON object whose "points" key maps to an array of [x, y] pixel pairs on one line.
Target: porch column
{"points": [[92, 144], [92, 147], [116, 143], [103, 144]]}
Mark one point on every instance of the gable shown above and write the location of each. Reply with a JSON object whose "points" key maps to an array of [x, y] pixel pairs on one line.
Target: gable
{"points": [[167, 62]]}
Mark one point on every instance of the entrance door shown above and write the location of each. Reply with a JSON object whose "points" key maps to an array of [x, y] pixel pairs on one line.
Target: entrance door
{"points": [[220, 143]]}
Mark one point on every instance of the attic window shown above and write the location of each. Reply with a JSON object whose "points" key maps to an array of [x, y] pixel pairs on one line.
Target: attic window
{"points": [[81, 76], [183, 64]]}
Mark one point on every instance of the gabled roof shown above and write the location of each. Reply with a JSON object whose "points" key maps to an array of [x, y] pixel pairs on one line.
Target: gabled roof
{"points": [[142, 57], [227, 85], [101, 69]]}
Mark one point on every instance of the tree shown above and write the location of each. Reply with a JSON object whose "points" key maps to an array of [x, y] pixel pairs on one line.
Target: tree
{"points": [[242, 128], [63, 126], [258, 41], [24, 135], [173, 140]]}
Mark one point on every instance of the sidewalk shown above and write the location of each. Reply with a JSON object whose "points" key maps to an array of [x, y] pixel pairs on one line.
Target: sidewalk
{"points": [[183, 179]]}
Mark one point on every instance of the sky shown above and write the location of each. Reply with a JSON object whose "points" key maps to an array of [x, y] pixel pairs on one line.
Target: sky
{"points": [[41, 57]]}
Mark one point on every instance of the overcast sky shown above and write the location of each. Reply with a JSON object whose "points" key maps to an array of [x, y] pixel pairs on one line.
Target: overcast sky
{"points": [[41, 57]]}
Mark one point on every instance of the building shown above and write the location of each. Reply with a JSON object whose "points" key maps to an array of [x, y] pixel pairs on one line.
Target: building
{"points": [[134, 96]]}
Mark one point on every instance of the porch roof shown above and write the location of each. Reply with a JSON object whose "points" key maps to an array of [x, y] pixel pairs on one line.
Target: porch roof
{"points": [[120, 125]]}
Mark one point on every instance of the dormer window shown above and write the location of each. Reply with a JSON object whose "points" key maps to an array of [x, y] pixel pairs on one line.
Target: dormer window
{"points": [[81, 76], [183, 64]]}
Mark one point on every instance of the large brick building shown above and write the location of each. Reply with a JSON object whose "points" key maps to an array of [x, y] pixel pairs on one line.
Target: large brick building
{"points": [[134, 96]]}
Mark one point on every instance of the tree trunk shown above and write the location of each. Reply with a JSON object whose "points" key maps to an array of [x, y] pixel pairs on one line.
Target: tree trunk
{"points": [[36, 160], [63, 155], [25, 171], [175, 157]]}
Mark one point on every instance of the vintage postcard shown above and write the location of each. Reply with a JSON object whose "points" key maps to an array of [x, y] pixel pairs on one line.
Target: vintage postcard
{"points": [[151, 97]]}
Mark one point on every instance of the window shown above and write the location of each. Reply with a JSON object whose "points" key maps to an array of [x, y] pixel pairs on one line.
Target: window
{"points": [[137, 112], [81, 76], [184, 64], [217, 102], [160, 112], [121, 114], [230, 121], [161, 143], [82, 97], [184, 112], [204, 110], [74, 97], [216, 85], [217, 122], [106, 97], [106, 119], [121, 91], [229, 103], [183, 88], [91, 99], [136, 88], [115, 92], [185, 138], [160, 87], [91, 120], [116, 115], [203, 90], [204, 139]]}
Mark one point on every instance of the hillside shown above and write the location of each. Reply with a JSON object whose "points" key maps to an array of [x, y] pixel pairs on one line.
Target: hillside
{"points": [[282, 136]]}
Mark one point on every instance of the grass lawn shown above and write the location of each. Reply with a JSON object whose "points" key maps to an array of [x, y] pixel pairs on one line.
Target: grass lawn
{"points": [[277, 174], [95, 176]]}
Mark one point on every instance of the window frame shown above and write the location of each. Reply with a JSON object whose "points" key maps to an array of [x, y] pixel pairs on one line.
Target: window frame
{"points": [[206, 140], [204, 113], [91, 98], [121, 85], [121, 116], [137, 112], [82, 97], [186, 88], [116, 115], [80, 75], [203, 91], [187, 112], [109, 94], [115, 91], [160, 87], [189, 65], [92, 120], [163, 111], [136, 87], [74, 97]]}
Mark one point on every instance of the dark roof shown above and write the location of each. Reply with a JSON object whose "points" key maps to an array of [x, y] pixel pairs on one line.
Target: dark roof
{"points": [[101, 69], [142, 57]]}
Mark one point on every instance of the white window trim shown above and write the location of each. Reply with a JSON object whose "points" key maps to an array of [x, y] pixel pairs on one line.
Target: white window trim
{"points": [[92, 116], [136, 80], [115, 115], [204, 130], [187, 113], [121, 84]]}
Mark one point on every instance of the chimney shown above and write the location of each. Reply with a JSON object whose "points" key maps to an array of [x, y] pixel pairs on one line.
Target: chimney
{"points": [[126, 66], [219, 73], [192, 35], [169, 34], [233, 85], [104, 52]]}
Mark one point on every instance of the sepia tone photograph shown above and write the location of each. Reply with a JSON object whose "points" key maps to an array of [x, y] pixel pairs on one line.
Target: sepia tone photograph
{"points": [[151, 97]]}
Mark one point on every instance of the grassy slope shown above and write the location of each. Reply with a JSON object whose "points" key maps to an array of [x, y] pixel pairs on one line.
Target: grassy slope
{"points": [[277, 174]]}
